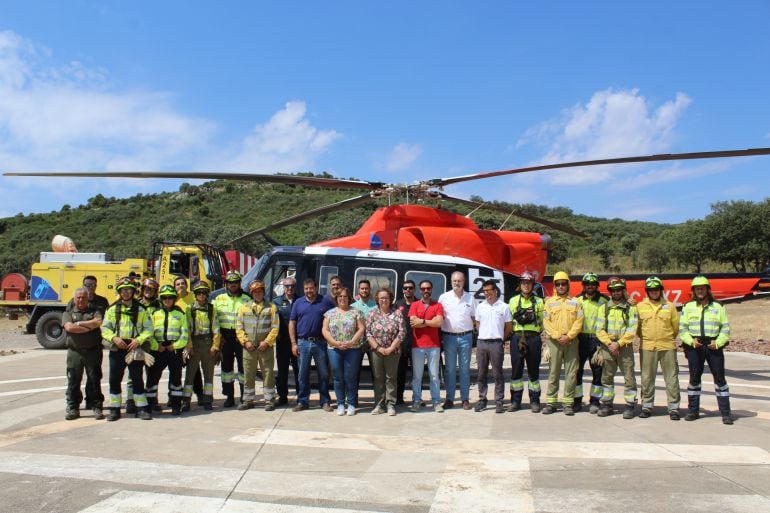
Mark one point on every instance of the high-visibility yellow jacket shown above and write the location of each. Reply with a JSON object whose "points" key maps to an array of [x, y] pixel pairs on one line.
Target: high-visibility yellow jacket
{"points": [[658, 324], [617, 322], [534, 302], [591, 311], [257, 323], [169, 326], [125, 327], [227, 307], [562, 316], [200, 324], [709, 321]]}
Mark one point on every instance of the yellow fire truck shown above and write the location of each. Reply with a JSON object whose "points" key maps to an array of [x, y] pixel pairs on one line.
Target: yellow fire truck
{"points": [[55, 278]]}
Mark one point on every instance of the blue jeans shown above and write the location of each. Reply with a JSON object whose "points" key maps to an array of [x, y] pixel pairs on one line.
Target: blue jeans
{"points": [[419, 356], [457, 347], [316, 351], [345, 365]]}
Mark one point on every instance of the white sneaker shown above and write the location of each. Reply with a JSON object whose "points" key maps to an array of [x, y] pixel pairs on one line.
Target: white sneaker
{"points": [[378, 410], [351, 410], [391, 410], [438, 408], [341, 410]]}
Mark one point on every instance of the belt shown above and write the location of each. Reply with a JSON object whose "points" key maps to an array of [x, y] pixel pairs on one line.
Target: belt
{"points": [[490, 340], [460, 334], [527, 332], [311, 339]]}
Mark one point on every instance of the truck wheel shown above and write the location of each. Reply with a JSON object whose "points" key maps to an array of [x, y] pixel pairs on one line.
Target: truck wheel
{"points": [[49, 330]]}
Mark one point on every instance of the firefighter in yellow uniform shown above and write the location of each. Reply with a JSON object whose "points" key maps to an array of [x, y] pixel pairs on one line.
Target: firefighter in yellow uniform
{"points": [[127, 328], [227, 306], [257, 328], [616, 327], [705, 331], [148, 298], [169, 340], [203, 348], [592, 301], [562, 322], [658, 329]]}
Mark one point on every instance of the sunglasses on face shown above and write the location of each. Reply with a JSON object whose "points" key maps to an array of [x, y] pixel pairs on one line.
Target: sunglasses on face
{"points": [[408, 287], [561, 284], [426, 289], [288, 286]]}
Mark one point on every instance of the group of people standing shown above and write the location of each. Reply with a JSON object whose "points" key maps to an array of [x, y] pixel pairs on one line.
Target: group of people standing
{"points": [[167, 327]]}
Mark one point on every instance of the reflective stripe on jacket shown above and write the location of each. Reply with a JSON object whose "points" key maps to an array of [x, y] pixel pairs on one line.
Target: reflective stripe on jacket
{"points": [[709, 321]]}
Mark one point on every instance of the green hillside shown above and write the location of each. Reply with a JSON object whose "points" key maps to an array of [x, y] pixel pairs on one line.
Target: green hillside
{"points": [[219, 211]]}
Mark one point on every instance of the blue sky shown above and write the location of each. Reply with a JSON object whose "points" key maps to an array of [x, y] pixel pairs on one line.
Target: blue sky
{"points": [[392, 91]]}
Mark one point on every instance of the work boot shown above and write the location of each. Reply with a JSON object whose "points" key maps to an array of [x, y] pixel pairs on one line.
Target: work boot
{"points": [[186, 404], [569, 411], [645, 413], [144, 414], [269, 405], [535, 407], [130, 407], [577, 405], [727, 420], [605, 410], [548, 409], [176, 410], [691, 416], [114, 415], [229, 402], [628, 413], [514, 406], [673, 415], [246, 406], [594, 408], [72, 414], [98, 415], [208, 406], [480, 406], [499, 408]]}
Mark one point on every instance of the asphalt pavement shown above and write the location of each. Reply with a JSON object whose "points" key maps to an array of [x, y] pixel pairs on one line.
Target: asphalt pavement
{"points": [[313, 461]]}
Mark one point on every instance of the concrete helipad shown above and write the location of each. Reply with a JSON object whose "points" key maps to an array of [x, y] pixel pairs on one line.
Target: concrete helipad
{"points": [[315, 461]]}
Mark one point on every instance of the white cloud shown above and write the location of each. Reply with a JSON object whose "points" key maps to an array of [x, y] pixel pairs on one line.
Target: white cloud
{"points": [[68, 116], [672, 173], [402, 156], [611, 124], [287, 143]]}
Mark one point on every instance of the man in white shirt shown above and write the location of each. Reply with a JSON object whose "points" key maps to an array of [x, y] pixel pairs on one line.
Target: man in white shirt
{"points": [[494, 322], [457, 339]]}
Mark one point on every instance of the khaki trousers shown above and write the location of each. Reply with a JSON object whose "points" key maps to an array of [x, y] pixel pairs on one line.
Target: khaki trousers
{"points": [[670, 368], [624, 360], [258, 360], [568, 356]]}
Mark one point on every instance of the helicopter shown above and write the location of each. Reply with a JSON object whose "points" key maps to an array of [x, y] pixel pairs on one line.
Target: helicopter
{"points": [[406, 240]]}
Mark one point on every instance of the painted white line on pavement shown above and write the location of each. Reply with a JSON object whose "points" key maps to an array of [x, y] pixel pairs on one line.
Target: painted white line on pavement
{"points": [[590, 501], [145, 502], [13, 416], [25, 380], [736, 454], [112, 470], [32, 391]]}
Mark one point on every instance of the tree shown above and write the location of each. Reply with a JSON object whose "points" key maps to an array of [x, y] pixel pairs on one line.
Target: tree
{"points": [[688, 245], [630, 243], [655, 254], [738, 234], [605, 252]]}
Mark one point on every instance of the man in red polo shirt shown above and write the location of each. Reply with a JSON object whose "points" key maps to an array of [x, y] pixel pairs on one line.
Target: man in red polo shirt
{"points": [[425, 317]]}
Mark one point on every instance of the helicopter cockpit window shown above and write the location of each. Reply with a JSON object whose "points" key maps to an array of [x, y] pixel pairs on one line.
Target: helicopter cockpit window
{"points": [[276, 276], [327, 271], [379, 278], [438, 280]]}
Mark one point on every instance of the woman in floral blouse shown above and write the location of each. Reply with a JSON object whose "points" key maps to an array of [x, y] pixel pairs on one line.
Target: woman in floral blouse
{"points": [[344, 331], [385, 333]]}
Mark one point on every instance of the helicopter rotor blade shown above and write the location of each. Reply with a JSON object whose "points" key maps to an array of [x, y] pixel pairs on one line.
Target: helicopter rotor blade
{"points": [[312, 181], [441, 182], [529, 217], [333, 207]]}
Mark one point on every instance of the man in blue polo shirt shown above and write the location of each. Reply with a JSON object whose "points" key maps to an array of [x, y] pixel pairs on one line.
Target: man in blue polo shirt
{"points": [[307, 342]]}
